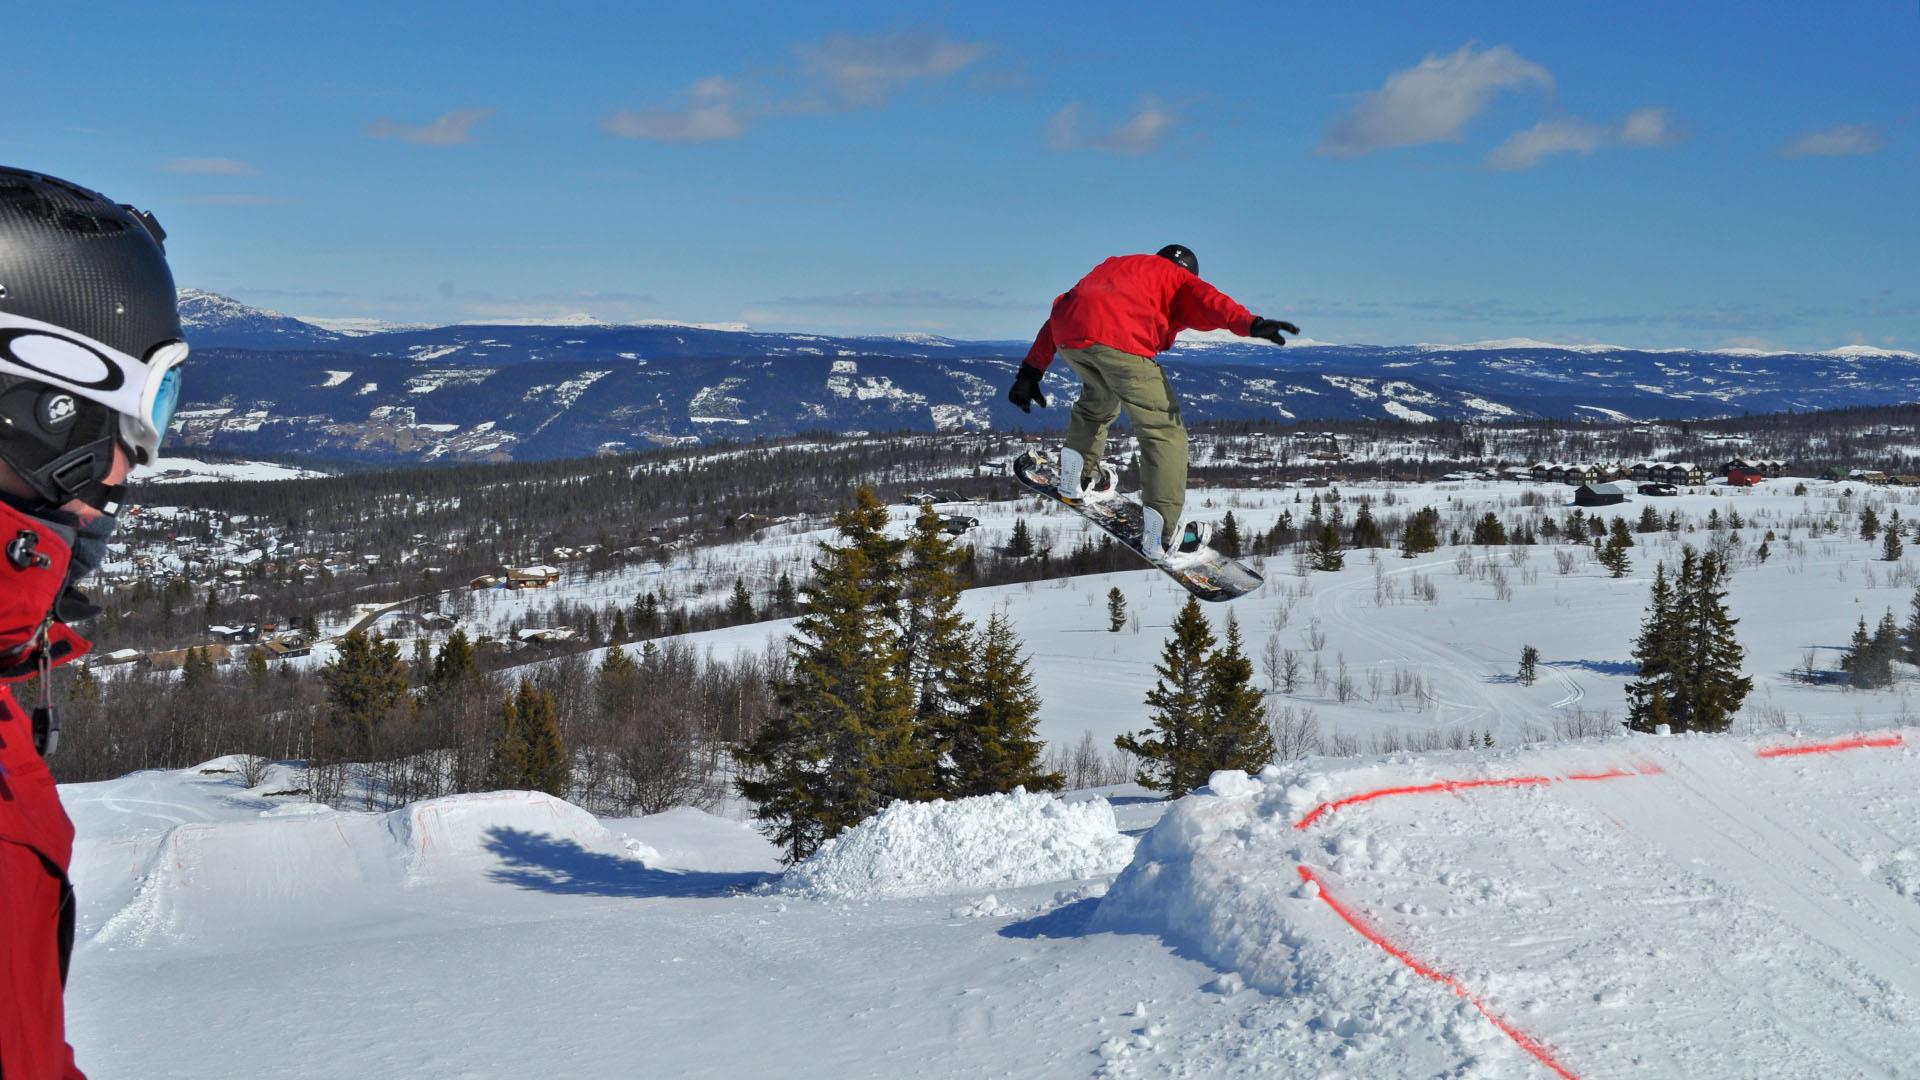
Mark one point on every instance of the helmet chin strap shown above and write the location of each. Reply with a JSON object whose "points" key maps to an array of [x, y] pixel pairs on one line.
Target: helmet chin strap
{"points": [[78, 475]]}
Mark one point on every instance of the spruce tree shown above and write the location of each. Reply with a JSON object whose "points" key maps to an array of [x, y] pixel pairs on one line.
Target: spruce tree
{"points": [[1234, 732], [1714, 686], [841, 742], [786, 600], [365, 679], [991, 746], [1890, 547], [1869, 524], [1657, 658], [1422, 533], [454, 665], [549, 768], [1282, 533], [196, 671], [1117, 609], [1911, 636], [1859, 661], [646, 615], [1227, 540], [527, 752], [936, 641], [1365, 532], [1324, 550], [1020, 544], [1170, 750], [1489, 532], [740, 606], [1614, 556]]}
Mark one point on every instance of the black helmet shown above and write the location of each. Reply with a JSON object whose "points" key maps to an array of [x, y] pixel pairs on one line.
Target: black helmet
{"points": [[1181, 254], [89, 335]]}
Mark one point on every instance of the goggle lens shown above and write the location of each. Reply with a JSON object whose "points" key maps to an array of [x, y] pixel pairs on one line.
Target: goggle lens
{"points": [[166, 401]]}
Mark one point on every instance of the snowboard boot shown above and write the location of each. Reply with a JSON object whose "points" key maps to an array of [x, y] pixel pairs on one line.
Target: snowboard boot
{"points": [[1194, 539], [1190, 547], [1072, 485]]}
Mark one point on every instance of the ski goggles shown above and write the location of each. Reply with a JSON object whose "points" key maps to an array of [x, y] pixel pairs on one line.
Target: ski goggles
{"points": [[144, 393]]}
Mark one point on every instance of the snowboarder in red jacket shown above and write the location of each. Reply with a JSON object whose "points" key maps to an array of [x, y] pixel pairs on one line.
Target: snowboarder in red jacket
{"points": [[89, 374], [1109, 328]]}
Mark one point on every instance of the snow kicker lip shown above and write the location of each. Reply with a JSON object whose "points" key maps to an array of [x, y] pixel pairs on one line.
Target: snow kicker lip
{"points": [[1855, 742], [1366, 930], [1448, 787]]}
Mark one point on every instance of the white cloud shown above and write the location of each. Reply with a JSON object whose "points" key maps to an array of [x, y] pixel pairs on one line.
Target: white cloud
{"points": [[1836, 141], [207, 166], [1431, 102], [851, 71], [843, 73], [712, 112], [1644, 128], [450, 129], [1138, 135]]}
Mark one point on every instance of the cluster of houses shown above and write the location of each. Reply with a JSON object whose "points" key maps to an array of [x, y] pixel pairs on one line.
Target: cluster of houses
{"points": [[517, 578]]}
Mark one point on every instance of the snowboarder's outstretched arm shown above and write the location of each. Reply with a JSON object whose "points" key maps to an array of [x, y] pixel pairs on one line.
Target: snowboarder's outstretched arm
{"points": [[1200, 306]]}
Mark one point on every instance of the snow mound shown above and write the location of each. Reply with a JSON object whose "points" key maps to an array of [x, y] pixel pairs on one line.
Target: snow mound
{"points": [[984, 842], [317, 868]]}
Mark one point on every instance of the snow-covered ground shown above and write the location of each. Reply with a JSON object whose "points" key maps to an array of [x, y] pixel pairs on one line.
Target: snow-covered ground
{"points": [[1601, 907], [180, 470], [1645, 907]]}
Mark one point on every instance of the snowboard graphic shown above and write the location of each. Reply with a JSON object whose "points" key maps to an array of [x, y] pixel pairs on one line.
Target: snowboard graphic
{"points": [[1209, 576]]}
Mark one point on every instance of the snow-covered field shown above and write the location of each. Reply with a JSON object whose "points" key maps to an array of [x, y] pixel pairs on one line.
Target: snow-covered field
{"points": [[1629, 906], [176, 470]]}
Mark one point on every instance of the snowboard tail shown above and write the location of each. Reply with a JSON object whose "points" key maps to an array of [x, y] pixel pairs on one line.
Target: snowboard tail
{"points": [[1208, 575]]}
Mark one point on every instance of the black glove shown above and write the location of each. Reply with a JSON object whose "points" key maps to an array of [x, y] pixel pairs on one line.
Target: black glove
{"points": [[1026, 388], [1270, 329]]}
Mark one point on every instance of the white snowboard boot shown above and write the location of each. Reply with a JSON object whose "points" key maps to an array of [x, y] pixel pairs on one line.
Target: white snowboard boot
{"points": [[1191, 547], [1106, 481]]}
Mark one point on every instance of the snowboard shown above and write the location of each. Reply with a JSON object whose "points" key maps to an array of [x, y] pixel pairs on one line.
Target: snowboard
{"points": [[1209, 575]]}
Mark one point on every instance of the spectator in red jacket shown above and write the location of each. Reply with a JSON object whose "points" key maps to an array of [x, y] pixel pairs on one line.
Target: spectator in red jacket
{"points": [[1109, 328], [89, 374]]}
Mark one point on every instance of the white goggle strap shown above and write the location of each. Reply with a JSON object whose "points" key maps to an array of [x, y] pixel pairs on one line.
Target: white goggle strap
{"points": [[93, 370]]}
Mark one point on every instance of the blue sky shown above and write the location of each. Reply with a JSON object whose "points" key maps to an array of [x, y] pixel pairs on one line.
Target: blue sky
{"points": [[1644, 174]]}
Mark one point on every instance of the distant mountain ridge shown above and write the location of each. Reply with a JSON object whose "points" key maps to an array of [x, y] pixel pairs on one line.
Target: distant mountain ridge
{"points": [[264, 383]]}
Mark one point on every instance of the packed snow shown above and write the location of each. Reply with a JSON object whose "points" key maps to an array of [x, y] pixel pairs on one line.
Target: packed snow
{"points": [[984, 842]]}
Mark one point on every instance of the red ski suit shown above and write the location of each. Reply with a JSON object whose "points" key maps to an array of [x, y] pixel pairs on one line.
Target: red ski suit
{"points": [[1135, 303], [36, 839]]}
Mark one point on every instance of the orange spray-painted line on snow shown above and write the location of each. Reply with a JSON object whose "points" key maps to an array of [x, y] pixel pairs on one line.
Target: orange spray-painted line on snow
{"points": [[1366, 930], [1448, 787], [1857, 742]]}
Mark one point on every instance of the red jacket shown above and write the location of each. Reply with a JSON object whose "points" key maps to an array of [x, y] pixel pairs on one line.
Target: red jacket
{"points": [[1135, 303], [36, 839]]}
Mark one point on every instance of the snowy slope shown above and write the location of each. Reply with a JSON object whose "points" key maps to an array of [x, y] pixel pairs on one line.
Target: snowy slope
{"points": [[1704, 910]]}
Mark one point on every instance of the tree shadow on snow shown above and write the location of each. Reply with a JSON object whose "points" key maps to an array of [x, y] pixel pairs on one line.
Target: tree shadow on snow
{"points": [[1599, 667], [549, 864]]}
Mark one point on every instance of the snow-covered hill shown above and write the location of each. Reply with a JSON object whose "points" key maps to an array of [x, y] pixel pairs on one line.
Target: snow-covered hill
{"points": [[266, 384]]}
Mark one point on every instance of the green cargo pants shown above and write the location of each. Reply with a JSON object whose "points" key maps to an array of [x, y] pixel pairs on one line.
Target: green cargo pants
{"points": [[1111, 380]]}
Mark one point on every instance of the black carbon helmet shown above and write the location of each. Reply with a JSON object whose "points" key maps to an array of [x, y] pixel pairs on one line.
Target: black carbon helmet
{"points": [[74, 259], [1181, 254]]}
